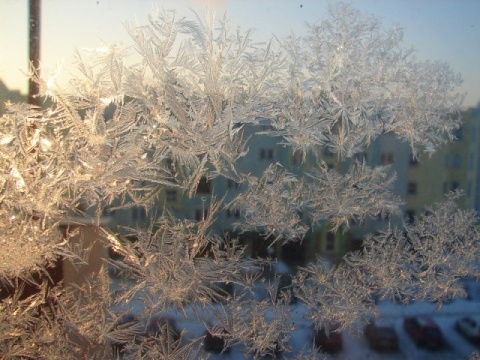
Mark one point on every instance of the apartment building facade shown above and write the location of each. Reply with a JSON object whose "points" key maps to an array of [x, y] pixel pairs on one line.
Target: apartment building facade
{"points": [[455, 166], [420, 182]]}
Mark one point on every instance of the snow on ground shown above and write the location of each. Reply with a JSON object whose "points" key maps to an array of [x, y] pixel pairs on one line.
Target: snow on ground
{"points": [[355, 347]]}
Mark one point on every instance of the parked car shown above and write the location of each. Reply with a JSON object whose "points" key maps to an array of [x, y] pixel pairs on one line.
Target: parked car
{"points": [[381, 338], [124, 329], [469, 328], [330, 342], [424, 332], [162, 325], [214, 341], [161, 333]]}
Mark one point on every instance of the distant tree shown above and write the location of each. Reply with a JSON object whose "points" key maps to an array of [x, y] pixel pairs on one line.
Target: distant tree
{"points": [[9, 95], [178, 118]]}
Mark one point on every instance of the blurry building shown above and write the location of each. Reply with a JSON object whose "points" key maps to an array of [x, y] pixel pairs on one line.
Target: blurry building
{"points": [[13, 96], [455, 166], [420, 183]]}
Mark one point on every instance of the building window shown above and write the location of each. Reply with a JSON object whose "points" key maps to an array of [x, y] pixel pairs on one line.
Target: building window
{"points": [[108, 212], [455, 185], [473, 134], [386, 158], [266, 154], [204, 186], [361, 157], [413, 161], [139, 214], [412, 188], [171, 195], [383, 216], [459, 134], [297, 158], [171, 167], [270, 154], [330, 244], [410, 216], [300, 214], [233, 213], [327, 152], [471, 161], [201, 214], [232, 184], [469, 188]]}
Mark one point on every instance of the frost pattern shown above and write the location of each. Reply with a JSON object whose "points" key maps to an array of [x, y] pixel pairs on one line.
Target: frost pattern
{"points": [[122, 134]]}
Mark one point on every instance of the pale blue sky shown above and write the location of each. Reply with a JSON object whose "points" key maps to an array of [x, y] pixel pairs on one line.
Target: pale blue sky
{"points": [[446, 30]]}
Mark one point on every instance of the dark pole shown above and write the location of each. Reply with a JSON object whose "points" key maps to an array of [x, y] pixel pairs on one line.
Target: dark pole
{"points": [[34, 49]]}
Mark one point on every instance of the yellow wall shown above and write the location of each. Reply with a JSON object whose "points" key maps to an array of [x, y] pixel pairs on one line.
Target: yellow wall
{"points": [[454, 163], [89, 243]]}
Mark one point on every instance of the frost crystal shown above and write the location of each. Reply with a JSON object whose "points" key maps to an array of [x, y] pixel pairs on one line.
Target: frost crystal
{"points": [[122, 136]]}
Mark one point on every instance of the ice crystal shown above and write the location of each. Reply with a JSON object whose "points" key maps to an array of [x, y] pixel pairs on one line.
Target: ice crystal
{"points": [[123, 134]]}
